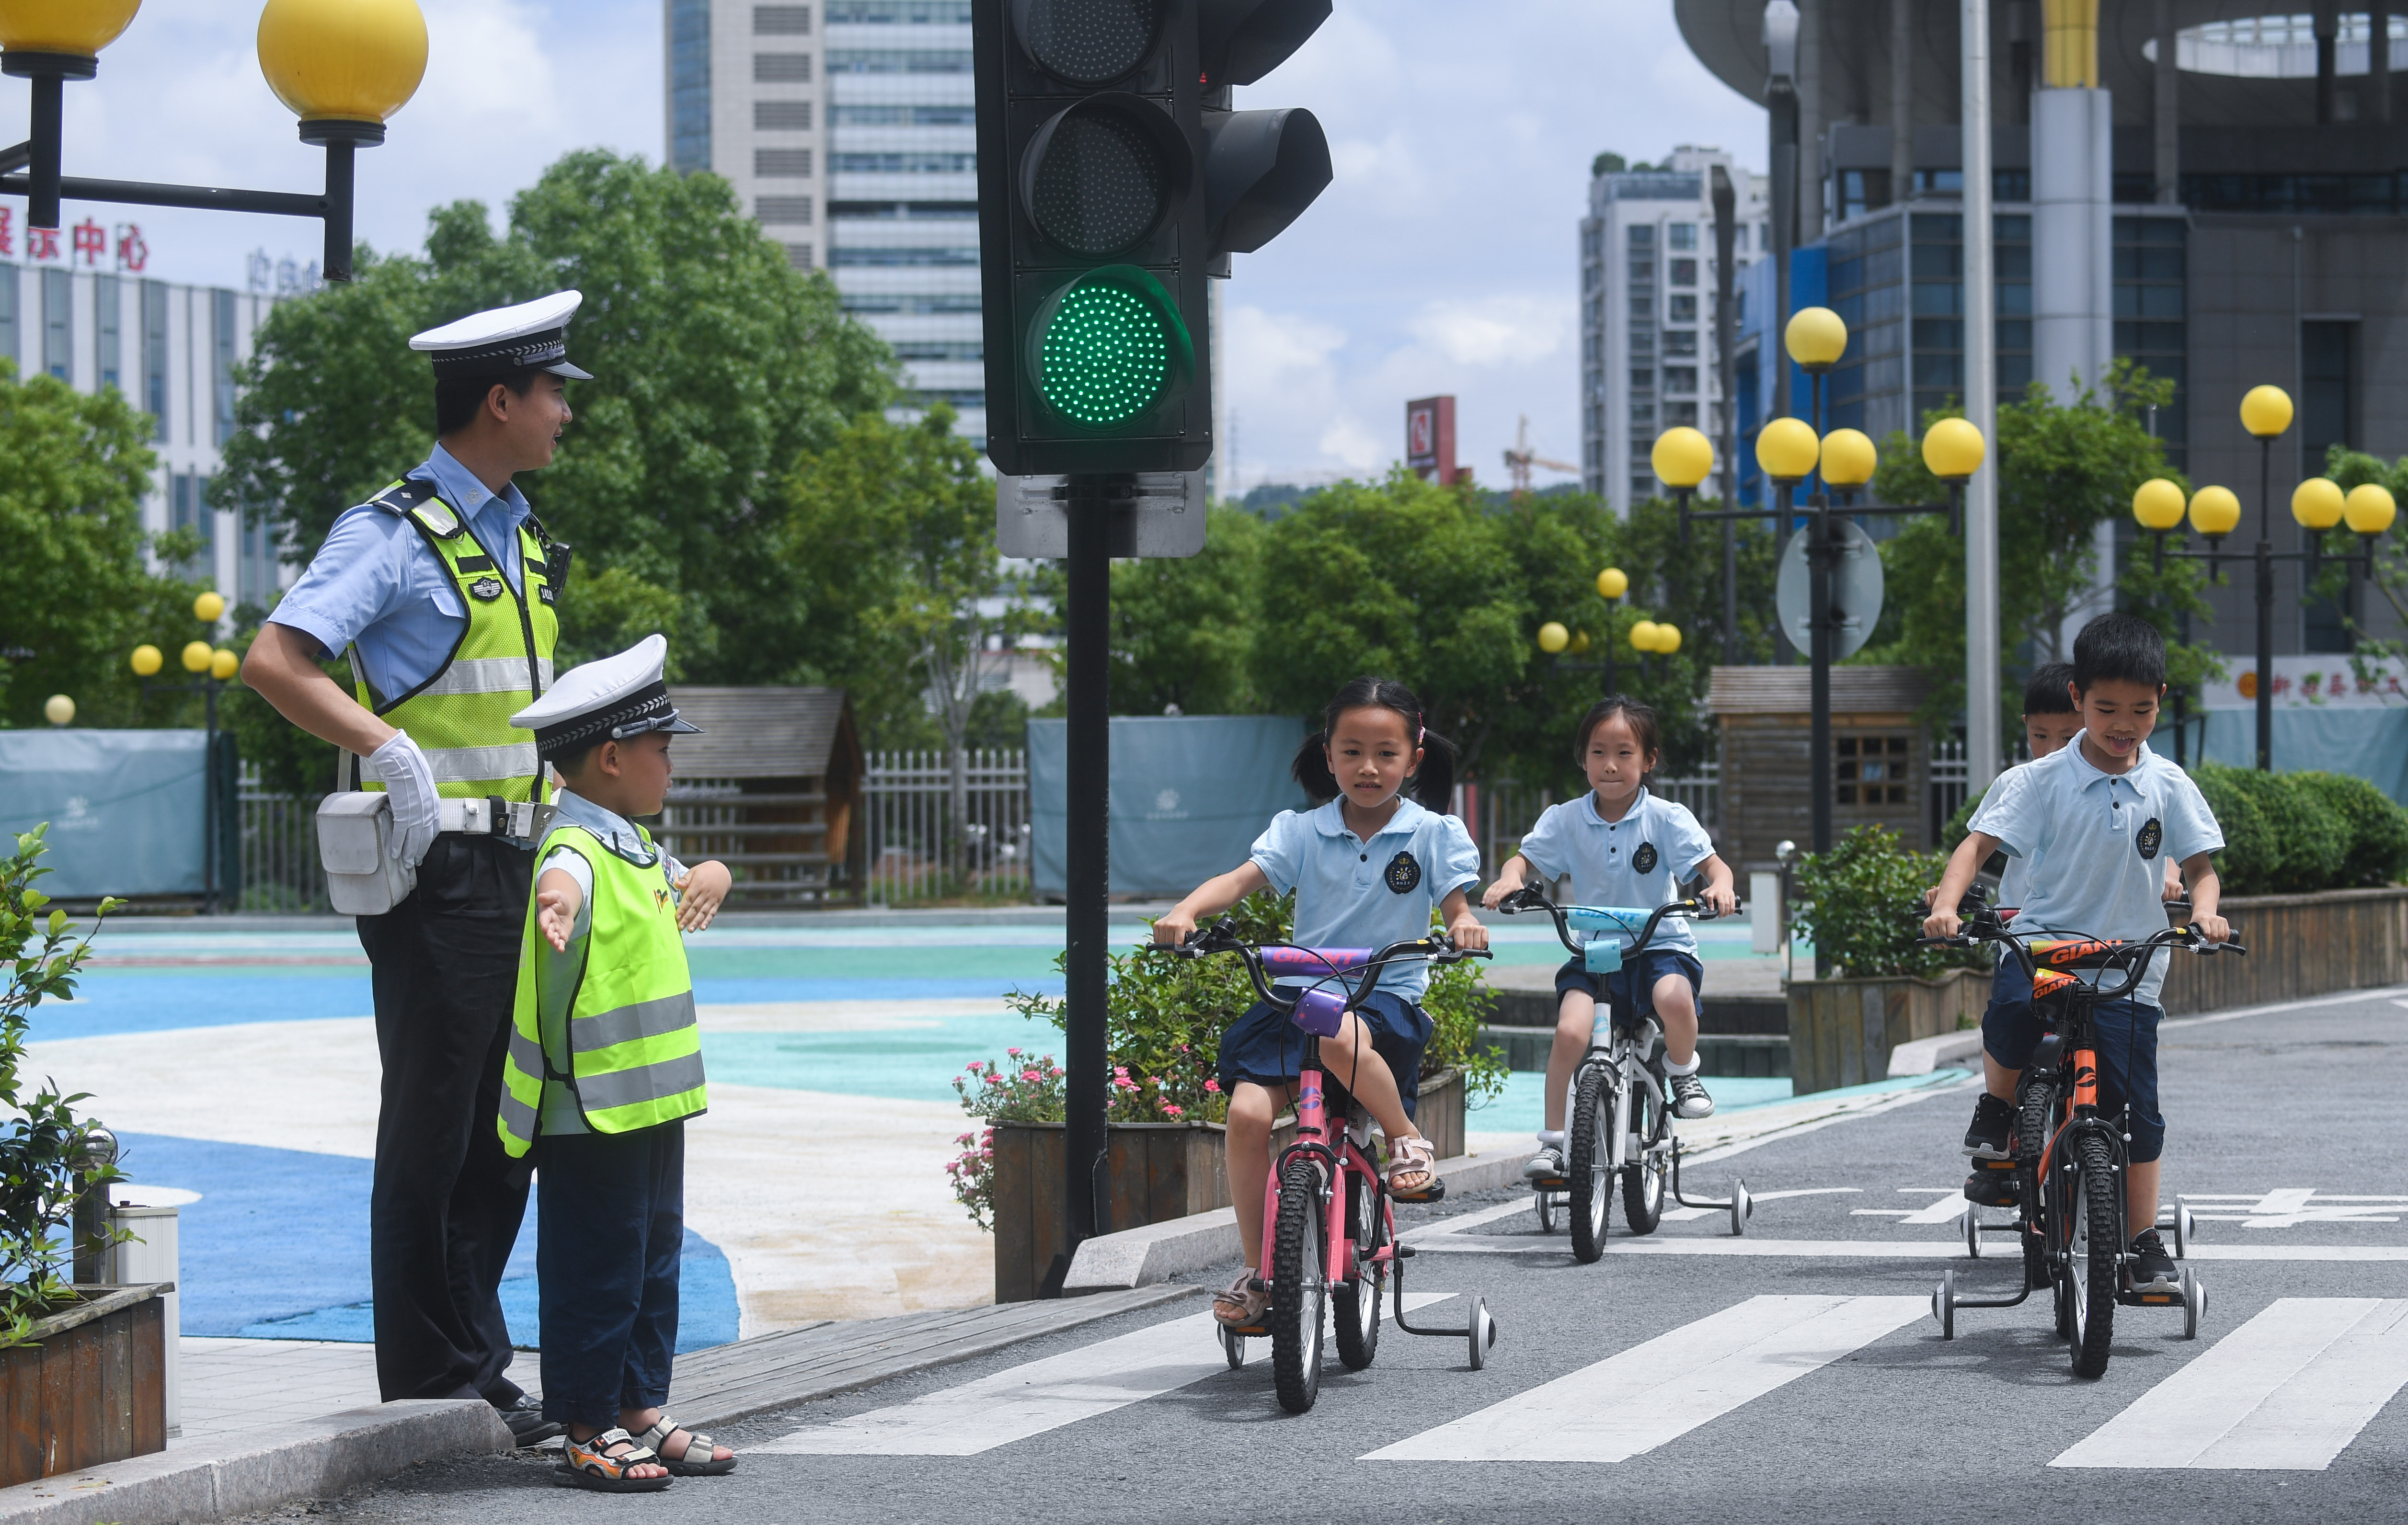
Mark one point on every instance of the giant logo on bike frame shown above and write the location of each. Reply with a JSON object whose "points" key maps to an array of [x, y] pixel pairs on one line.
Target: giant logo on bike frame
{"points": [[1404, 874], [1645, 859], [2151, 837]]}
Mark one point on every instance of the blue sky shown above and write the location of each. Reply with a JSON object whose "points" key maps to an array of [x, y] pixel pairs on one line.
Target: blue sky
{"points": [[1442, 260]]}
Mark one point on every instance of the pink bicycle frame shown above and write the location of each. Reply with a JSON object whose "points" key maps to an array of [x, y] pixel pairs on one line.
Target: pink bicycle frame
{"points": [[1315, 1135]]}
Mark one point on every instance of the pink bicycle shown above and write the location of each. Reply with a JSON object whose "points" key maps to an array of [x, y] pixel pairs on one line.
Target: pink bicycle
{"points": [[1329, 1239]]}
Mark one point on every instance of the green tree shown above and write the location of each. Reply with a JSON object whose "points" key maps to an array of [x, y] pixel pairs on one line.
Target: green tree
{"points": [[77, 592], [2354, 469], [716, 366], [1184, 628], [2063, 470]]}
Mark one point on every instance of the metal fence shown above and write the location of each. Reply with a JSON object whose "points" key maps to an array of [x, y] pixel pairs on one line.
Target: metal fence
{"points": [[914, 852], [280, 871]]}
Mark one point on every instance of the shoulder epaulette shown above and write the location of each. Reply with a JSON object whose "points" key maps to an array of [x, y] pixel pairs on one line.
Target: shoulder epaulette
{"points": [[414, 497]]}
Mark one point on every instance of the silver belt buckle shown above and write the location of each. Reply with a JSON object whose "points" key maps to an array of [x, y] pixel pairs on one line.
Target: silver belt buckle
{"points": [[520, 816]]}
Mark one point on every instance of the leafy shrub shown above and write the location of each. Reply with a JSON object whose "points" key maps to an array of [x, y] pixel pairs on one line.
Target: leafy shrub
{"points": [[2377, 827], [45, 1149], [2281, 836], [1861, 904]]}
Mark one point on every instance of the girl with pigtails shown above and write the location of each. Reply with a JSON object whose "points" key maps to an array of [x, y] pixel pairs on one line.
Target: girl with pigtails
{"points": [[1366, 867]]}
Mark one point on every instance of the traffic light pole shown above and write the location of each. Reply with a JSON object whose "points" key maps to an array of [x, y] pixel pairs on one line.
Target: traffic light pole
{"points": [[1088, 880]]}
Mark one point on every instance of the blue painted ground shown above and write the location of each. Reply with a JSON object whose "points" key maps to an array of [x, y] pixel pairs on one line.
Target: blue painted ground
{"points": [[277, 1247]]}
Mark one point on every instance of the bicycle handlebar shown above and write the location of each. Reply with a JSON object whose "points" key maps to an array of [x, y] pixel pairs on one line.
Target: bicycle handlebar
{"points": [[1530, 898], [1986, 926], [1222, 937]]}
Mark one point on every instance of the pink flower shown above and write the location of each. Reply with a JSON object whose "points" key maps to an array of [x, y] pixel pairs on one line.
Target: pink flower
{"points": [[1213, 1085], [1031, 1077], [1170, 1110], [1013, 1052]]}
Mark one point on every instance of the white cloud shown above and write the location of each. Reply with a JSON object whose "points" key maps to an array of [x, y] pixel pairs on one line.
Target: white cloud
{"points": [[1497, 330]]}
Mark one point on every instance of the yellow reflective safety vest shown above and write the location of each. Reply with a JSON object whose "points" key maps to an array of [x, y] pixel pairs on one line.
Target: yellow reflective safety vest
{"points": [[460, 716], [627, 1051]]}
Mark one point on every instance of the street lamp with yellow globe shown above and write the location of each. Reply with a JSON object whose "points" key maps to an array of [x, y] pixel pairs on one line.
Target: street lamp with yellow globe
{"points": [[212, 667], [342, 66]]}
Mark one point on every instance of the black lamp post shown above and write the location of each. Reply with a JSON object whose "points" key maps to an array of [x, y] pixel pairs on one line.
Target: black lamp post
{"points": [[213, 668], [342, 65]]}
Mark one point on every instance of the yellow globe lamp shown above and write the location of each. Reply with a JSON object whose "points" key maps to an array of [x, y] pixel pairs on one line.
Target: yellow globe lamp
{"points": [[2370, 509], [208, 608], [1788, 450], [1816, 337], [1580, 642], [349, 62], [73, 28], [2316, 503], [1683, 457], [146, 661], [1642, 634], [58, 709], [1667, 639], [2159, 505], [1613, 582], [2265, 411], [1953, 449], [1848, 458], [223, 665], [2214, 512], [196, 657], [1553, 637]]}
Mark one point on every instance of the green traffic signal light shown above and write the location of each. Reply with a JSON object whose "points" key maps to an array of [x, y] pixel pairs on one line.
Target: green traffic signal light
{"points": [[1109, 346]]}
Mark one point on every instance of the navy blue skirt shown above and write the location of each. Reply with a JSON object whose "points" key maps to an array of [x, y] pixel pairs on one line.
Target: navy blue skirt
{"points": [[1265, 1047]]}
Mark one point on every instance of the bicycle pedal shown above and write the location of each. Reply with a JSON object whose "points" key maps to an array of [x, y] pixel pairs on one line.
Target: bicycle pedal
{"points": [[1251, 1332], [1436, 1191]]}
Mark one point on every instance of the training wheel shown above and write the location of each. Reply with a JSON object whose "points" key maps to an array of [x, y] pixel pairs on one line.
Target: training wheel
{"points": [[1546, 1210], [1743, 1206], [2194, 1296], [1971, 1221], [1482, 1331], [1944, 1304], [1233, 1347], [2185, 1226]]}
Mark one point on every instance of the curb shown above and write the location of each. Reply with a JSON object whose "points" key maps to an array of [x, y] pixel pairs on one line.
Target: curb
{"points": [[1925, 1055], [1142, 1257], [240, 1474]]}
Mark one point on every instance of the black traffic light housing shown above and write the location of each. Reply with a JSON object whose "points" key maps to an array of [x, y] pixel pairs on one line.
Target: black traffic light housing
{"points": [[1113, 180]]}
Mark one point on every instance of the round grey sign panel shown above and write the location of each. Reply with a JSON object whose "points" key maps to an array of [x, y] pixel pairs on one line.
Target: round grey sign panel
{"points": [[1855, 591]]}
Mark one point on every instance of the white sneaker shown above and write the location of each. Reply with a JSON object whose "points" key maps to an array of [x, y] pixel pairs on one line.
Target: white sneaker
{"points": [[1689, 1098], [1545, 1165]]}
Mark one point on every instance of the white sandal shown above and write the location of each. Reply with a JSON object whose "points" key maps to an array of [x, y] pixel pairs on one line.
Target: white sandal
{"points": [[1407, 1156]]}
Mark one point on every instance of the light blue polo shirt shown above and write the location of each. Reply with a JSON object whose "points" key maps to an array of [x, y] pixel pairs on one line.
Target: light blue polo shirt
{"points": [[2093, 846], [1353, 893], [376, 586], [1639, 861]]}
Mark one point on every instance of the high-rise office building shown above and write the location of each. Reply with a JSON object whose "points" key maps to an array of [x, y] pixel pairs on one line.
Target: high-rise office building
{"points": [[1648, 361], [849, 129], [744, 103]]}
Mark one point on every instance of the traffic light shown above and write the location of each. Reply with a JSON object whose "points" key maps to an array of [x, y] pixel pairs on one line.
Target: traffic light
{"points": [[1113, 180]]}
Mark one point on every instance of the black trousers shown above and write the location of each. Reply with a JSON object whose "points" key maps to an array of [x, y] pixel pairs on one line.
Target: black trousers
{"points": [[613, 1209], [444, 1212]]}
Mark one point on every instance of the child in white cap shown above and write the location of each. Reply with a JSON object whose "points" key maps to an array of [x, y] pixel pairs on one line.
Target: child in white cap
{"points": [[605, 1066]]}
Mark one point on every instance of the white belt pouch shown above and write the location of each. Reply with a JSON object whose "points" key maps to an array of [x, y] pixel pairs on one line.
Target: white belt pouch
{"points": [[355, 845]]}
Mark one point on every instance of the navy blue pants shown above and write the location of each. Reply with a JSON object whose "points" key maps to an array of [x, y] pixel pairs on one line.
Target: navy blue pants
{"points": [[2126, 1033], [611, 1224]]}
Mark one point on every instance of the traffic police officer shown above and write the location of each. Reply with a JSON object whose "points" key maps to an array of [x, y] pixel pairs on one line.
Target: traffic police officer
{"points": [[442, 590]]}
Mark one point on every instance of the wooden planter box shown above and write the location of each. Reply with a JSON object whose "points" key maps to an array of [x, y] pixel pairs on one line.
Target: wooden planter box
{"points": [[1154, 1172], [90, 1387], [1842, 1031], [2299, 946]]}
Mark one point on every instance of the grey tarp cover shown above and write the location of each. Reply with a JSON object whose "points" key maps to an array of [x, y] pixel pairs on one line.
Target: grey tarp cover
{"points": [[1189, 795], [124, 808]]}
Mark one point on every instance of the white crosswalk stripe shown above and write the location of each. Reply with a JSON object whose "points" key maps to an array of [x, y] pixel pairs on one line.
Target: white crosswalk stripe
{"points": [[1655, 1392], [2288, 1391], [1031, 1399]]}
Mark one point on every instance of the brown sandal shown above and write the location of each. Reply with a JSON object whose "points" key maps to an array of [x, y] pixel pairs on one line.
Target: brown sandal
{"points": [[1241, 1305], [595, 1463]]}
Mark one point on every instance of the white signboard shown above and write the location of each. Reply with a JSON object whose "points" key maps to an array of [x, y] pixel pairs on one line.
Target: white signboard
{"points": [[2321, 682]]}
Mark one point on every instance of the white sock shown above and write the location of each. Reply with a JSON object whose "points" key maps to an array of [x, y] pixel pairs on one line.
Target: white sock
{"points": [[1690, 1068], [1550, 1138]]}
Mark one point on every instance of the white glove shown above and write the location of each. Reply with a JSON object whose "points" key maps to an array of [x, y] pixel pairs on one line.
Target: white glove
{"points": [[410, 780]]}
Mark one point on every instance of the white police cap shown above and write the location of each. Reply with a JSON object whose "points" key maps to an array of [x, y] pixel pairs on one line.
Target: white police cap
{"points": [[608, 699], [532, 335]]}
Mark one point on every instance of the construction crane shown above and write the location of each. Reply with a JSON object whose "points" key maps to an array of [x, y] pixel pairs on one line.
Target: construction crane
{"points": [[1521, 458]]}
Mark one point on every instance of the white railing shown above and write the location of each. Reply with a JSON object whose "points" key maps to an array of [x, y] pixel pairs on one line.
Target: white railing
{"points": [[915, 849], [280, 871]]}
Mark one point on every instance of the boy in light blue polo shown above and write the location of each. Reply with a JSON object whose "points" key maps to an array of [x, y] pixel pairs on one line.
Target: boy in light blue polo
{"points": [[2092, 826]]}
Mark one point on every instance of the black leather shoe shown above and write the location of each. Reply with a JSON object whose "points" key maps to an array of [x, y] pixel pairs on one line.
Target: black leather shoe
{"points": [[526, 1422]]}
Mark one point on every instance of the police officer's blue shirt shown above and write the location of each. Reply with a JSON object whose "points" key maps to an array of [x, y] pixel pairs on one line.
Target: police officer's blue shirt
{"points": [[377, 587], [1640, 860], [2094, 845], [1353, 893]]}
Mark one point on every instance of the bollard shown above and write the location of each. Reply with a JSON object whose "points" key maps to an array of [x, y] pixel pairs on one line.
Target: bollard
{"points": [[91, 1223]]}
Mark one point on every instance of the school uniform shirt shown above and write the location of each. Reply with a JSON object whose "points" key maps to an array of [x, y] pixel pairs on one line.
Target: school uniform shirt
{"points": [[2094, 847], [1353, 893], [1640, 860]]}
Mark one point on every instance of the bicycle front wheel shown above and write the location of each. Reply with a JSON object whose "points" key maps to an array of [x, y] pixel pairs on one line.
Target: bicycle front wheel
{"points": [[1588, 1168], [1299, 1288], [2092, 1266]]}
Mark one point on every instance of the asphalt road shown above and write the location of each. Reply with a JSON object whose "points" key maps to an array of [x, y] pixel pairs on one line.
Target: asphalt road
{"points": [[1794, 1374]]}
